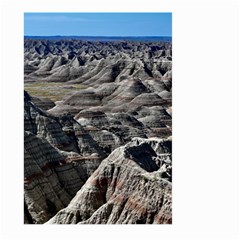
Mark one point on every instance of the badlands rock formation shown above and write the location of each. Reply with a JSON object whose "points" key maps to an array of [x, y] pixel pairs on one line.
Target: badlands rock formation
{"points": [[101, 153], [132, 185], [94, 63]]}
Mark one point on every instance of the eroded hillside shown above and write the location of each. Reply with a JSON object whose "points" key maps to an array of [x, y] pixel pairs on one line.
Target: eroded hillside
{"points": [[97, 124]]}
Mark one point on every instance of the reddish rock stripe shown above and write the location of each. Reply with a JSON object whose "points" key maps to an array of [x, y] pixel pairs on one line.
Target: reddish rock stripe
{"points": [[74, 159]]}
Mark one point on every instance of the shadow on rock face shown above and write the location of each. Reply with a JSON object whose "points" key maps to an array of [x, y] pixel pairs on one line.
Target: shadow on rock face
{"points": [[143, 156]]}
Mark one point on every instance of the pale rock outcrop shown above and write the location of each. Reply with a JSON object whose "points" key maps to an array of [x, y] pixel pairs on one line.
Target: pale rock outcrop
{"points": [[131, 186]]}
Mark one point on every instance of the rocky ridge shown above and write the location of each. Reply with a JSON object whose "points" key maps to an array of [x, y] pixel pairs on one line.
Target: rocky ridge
{"points": [[95, 62], [102, 154], [131, 186]]}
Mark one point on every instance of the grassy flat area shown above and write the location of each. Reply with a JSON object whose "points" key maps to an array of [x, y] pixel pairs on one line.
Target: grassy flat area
{"points": [[52, 90]]}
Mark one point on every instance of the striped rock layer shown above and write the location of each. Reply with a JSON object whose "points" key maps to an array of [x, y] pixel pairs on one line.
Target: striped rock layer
{"points": [[131, 186], [101, 154]]}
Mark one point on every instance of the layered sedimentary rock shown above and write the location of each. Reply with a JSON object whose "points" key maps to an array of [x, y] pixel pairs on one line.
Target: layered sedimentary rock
{"points": [[50, 184], [56, 162], [131, 186], [95, 62], [43, 103], [98, 133]]}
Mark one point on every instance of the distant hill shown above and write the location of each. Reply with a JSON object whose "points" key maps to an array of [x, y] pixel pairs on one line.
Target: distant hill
{"points": [[104, 38]]}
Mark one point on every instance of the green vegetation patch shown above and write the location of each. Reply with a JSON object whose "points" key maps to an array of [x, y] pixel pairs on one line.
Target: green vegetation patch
{"points": [[52, 90]]}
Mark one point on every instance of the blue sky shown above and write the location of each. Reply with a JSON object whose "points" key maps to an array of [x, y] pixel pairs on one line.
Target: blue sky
{"points": [[98, 24]]}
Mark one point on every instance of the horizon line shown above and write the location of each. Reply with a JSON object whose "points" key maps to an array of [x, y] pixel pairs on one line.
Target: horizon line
{"points": [[92, 36]]}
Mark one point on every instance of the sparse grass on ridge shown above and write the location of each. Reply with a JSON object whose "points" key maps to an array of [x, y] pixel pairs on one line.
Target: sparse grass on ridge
{"points": [[52, 90]]}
